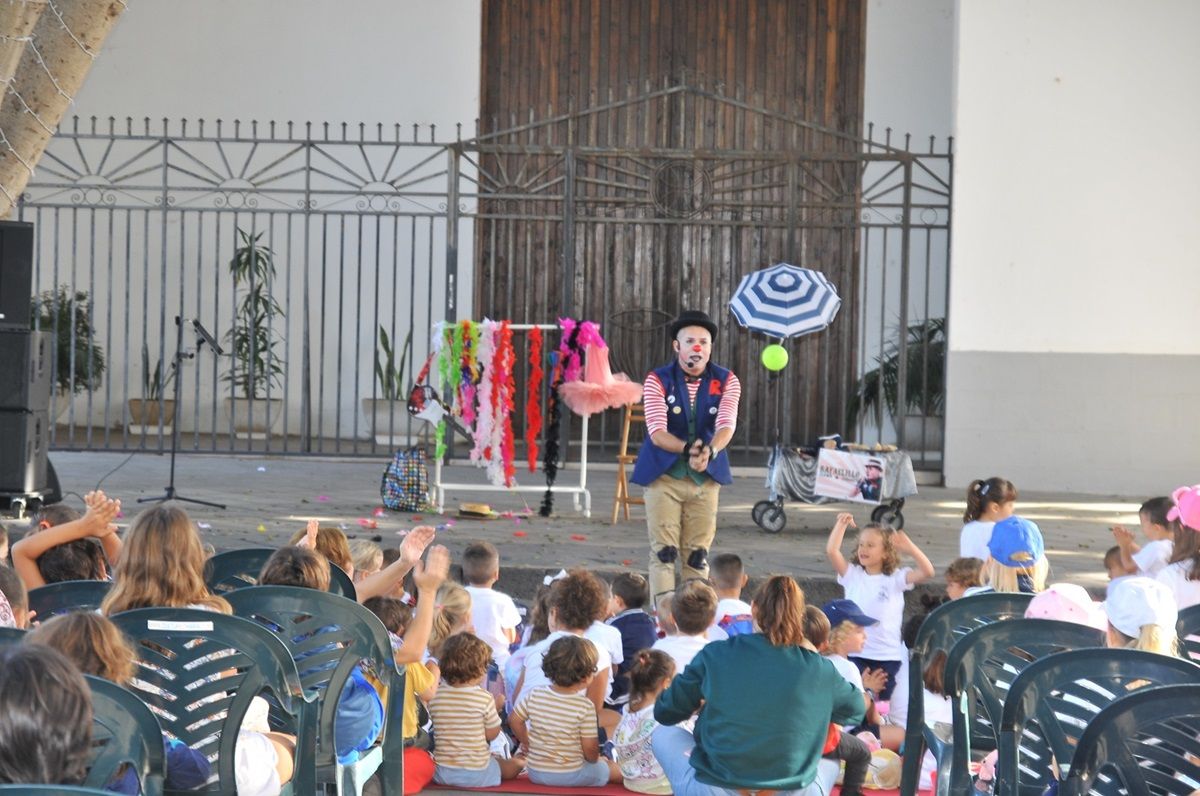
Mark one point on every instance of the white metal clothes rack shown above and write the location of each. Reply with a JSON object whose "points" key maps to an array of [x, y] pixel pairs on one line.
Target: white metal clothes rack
{"points": [[580, 495]]}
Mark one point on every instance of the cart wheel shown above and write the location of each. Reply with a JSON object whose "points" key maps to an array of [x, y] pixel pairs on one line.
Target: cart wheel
{"points": [[772, 518], [889, 514], [759, 509]]}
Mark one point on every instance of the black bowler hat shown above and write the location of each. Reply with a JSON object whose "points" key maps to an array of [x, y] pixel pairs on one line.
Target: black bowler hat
{"points": [[693, 318]]}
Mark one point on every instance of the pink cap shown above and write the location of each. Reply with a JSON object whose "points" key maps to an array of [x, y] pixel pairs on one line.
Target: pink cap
{"points": [[1187, 506], [1067, 602]]}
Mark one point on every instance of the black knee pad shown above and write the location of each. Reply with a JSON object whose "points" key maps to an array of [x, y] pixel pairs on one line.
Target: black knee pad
{"points": [[698, 559], [668, 554]]}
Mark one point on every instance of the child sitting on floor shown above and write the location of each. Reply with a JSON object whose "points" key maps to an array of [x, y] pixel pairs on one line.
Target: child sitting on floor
{"points": [[493, 613], [693, 607], [630, 591], [963, 577], [650, 673], [451, 615], [839, 744], [1150, 558], [14, 600], [465, 720], [558, 724], [729, 578]]}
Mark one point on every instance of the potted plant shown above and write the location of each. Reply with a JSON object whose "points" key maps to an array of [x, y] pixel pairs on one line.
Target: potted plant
{"points": [[79, 360], [389, 411], [153, 408], [924, 391], [255, 364]]}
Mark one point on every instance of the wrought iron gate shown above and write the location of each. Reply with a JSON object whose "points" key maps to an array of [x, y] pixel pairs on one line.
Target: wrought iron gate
{"points": [[595, 213]]}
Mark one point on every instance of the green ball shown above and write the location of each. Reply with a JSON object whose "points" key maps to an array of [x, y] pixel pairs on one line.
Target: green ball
{"points": [[775, 357]]}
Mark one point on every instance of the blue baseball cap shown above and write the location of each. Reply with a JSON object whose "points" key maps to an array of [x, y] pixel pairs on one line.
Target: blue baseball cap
{"points": [[839, 611], [1016, 542]]}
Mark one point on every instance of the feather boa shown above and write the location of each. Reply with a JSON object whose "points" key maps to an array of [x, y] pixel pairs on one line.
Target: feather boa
{"points": [[441, 332], [469, 332], [533, 408], [569, 345], [483, 424], [500, 468]]}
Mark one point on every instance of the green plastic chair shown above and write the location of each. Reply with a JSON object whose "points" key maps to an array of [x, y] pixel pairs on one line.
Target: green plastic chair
{"points": [[1188, 628], [1054, 698], [199, 670], [50, 790], [979, 671], [69, 595], [331, 635], [941, 629], [237, 569], [1144, 743], [124, 731]]}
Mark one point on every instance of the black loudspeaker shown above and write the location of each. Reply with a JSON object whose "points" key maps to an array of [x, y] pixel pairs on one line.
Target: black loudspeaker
{"points": [[24, 438], [25, 362], [16, 274]]}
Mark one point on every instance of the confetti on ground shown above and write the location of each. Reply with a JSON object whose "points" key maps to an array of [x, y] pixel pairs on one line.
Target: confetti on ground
{"points": [[379, 512], [364, 522], [262, 469], [262, 528], [120, 515], [417, 518], [204, 526], [322, 498], [627, 562], [578, 537], [403, 532], [444, 526], [519, 533]]}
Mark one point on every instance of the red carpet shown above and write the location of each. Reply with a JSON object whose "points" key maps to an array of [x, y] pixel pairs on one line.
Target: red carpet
{"points": [[522, 785]]}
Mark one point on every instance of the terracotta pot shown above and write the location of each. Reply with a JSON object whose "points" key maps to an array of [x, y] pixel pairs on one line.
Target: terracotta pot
{"points": [[144, 415], [254, 419]]}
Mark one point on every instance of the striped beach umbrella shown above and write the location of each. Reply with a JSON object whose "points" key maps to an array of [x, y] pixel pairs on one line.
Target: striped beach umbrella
{"points": [[785, 301]]}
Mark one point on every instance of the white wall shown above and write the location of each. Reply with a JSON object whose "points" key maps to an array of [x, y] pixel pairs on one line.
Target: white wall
{"points": [[1075, 208], [415, 61], [1074, 336]]}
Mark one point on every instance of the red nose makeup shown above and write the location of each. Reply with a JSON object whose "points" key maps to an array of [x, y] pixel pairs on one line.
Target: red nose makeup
{"points": [[696, 348]]}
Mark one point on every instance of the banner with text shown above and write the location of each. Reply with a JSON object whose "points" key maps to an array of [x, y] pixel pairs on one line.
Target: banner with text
{"points": [[847, 475]]}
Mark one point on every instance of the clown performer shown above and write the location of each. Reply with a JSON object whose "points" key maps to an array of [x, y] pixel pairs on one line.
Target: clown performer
{"points": [[691, 410]]}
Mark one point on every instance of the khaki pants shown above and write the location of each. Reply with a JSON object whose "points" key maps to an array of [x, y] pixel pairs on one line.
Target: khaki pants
{"points": [[680, 514]]}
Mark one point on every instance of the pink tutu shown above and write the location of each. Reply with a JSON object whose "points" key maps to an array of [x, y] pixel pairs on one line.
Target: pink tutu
{"points": [[599, 389]]}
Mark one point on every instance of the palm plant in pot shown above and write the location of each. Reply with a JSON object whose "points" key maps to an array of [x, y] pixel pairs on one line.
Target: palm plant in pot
{"points": [[79, 360], [924, 355], [255, 366], [387, 413], [153, 408]]}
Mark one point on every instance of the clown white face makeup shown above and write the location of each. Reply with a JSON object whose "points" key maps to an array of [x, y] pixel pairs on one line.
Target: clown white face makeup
{"points": [[693, 347]]}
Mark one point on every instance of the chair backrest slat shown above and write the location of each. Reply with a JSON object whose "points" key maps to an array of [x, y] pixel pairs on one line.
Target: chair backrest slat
{"points": [[124, 731], [66, 596], [237, 569]]}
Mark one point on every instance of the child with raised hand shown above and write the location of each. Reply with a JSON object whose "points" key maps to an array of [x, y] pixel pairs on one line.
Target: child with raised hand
{"points": [[848, 628], [1148, 559], [451, 615], [94, 644], [650, 673], [876, 582], [69, 549], [988, 502], [558, 723], [465, 719], [334, 545], [367, 558]]}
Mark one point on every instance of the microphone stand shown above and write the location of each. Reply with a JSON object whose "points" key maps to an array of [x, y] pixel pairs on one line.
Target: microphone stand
{"points": [[180, 355]]}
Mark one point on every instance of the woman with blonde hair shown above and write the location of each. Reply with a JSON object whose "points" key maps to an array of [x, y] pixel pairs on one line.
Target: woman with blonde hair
{"points": [[161, 566], [747, 736]]}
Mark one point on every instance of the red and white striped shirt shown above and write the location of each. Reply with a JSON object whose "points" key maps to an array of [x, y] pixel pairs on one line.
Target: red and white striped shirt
{"points": [[654, 401]]}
